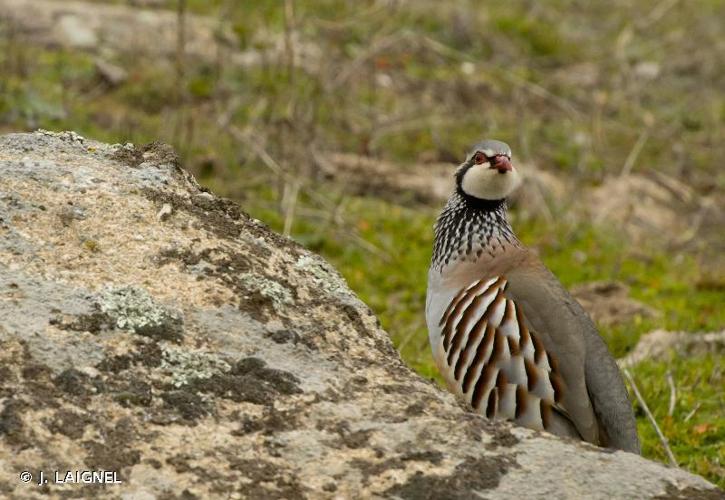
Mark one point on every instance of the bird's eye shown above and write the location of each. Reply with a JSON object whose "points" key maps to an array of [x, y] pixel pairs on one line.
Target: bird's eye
{"points": [[479, 158]]}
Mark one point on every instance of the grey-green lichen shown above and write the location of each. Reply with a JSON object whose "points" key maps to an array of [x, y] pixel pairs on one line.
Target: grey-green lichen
{"points": [[270, 289], [183, 365], [323, 275], [133, 308], [68, 135]]}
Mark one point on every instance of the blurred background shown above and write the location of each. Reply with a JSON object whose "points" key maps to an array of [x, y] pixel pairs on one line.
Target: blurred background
{"points": [[340, 122]]}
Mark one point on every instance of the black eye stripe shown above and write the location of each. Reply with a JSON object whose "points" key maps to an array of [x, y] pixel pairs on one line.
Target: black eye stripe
{"points": [[479, 157], [486, 158]]}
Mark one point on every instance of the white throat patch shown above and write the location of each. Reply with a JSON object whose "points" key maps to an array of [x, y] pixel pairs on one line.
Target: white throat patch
{"points": [[487, 183]]}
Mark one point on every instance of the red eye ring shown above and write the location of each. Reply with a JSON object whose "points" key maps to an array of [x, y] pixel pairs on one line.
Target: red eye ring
{"points": [[479, 158]]}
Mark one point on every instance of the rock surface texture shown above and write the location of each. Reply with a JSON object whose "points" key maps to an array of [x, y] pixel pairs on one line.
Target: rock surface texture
{"points": [[150, 328]]}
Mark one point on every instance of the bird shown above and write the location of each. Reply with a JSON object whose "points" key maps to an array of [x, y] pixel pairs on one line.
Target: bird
{"points": [[506, 336]]}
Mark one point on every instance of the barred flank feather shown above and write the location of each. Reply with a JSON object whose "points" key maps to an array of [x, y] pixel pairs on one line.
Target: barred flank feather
{"points": [[483, 356]]}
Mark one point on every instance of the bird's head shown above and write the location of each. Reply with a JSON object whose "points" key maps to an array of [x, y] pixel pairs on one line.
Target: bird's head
{"points": [[488, 173]]}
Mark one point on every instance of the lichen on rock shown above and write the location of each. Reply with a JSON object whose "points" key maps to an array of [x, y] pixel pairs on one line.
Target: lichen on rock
{"points": [[133, 308], [184, 365], [268, 288]]}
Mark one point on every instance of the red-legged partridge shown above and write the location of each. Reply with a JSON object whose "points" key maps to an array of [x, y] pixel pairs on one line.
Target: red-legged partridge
{"points": [[505, 334]]}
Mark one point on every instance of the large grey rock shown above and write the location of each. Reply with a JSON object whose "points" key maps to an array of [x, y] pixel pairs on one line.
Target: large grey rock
{"points": [[150, 328]]}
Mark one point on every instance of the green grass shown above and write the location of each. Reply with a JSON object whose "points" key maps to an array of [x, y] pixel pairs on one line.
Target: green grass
{"points": [[698, 442], [520, 90]]}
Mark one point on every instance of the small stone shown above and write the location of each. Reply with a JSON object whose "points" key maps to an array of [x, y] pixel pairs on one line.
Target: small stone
{"points": [[111, 74]]}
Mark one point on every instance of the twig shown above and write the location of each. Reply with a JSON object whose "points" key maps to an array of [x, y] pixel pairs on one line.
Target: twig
{"points": [[417, 121], [289, 20], [651, 417], [673, 394], [534, 88], [290, 204], [370, 247], [255, 145], [656, 14], [690, 415], [634, 153], [377, 46], [411, 335], [180, 37], [180, 65], [359, 17]]}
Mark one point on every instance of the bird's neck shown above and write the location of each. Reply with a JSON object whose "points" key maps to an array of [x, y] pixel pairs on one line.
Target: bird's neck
{"points": [[469, 228]]}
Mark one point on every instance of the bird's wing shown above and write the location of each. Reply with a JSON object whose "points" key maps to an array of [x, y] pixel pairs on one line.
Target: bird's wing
{"points": [[490, 357], [594, 392], [515, 345]]}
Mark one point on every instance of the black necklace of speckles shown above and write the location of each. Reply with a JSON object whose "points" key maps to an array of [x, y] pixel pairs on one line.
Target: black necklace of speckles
{"points": [[469, 226]]}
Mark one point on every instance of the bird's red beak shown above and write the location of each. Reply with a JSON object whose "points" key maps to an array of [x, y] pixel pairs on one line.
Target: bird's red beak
{"points": [[502, 164]]}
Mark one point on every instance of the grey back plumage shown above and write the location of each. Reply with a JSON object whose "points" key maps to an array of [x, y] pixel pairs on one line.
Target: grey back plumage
{"points": [[582, 353]]}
